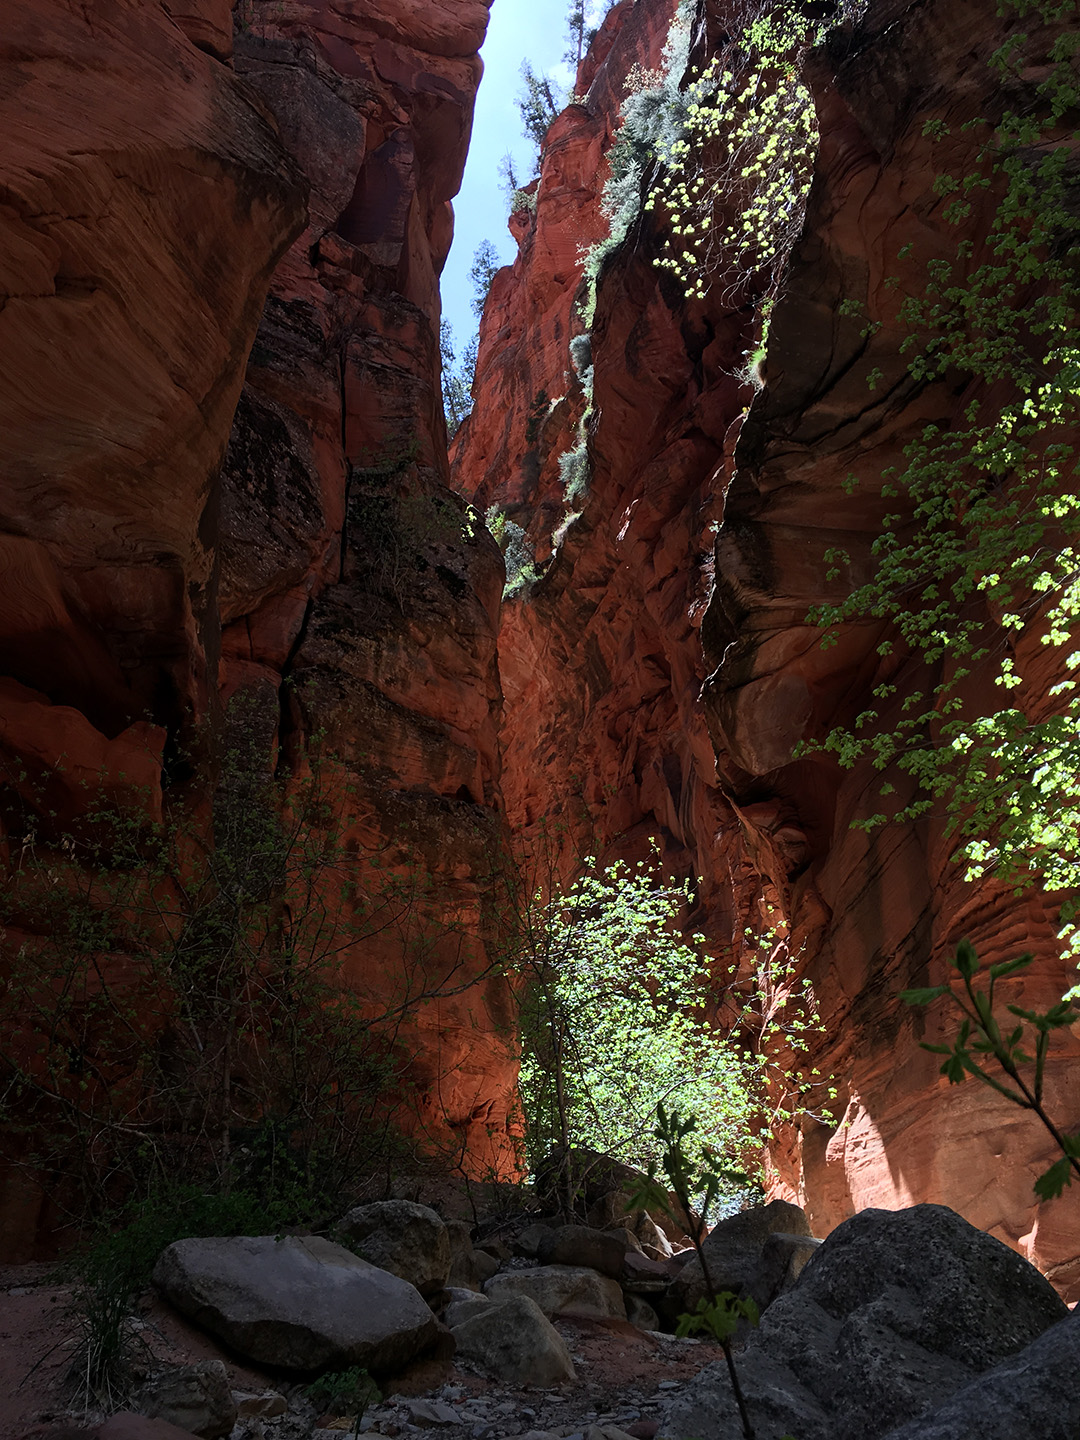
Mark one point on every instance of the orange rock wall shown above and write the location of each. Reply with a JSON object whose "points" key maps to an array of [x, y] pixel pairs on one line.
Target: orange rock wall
{"points": [[184, 186], [610, 739], [358, 595], [879, 912]]}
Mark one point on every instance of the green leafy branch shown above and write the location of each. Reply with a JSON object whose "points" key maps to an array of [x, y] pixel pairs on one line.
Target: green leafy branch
{"points": [[718, 1313], [981, 1039]]}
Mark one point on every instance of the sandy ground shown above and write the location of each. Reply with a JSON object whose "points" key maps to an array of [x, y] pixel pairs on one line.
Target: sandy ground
{"points": [[38, 1338]]}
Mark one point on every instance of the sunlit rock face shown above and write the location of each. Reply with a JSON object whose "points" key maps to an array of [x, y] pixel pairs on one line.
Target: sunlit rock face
{"points": [[601, 666], [876, 913], [660, 674], [358, 595], [158, 556]]}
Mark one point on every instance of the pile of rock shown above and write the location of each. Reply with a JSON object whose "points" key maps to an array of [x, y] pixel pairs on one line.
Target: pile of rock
{"points": [[907, 1325]]}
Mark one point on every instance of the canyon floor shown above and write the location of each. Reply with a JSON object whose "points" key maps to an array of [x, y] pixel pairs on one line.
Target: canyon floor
{"points": [[623, 1372]]}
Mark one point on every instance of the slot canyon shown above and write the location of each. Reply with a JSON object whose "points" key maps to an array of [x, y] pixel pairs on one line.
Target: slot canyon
{"points": [[226, 487]]}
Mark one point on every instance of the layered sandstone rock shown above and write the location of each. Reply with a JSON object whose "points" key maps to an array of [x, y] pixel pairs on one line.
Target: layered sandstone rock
{"points": [[877, 912], [604, 658], [160, 557], [604, 740], [358, 595]]}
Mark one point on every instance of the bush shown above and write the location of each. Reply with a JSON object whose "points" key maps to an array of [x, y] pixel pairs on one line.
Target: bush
{"points": [[175, 1001], [520, 559], [614, 1022], [575, 472]]}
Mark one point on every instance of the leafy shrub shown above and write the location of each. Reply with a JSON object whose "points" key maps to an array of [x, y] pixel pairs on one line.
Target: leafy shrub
{"points": [[613, 1021], [976, 569], [520, 558], [345, 1392], [734, 179]]}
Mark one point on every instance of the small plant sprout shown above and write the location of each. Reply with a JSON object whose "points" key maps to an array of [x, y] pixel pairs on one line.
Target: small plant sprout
{"points": [[348, 1392], [693, 1177], [981, 1039]]}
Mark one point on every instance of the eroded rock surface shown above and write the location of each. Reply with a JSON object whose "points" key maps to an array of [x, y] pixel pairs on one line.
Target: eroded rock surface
{"points": [[895, 1313], [699, 550], [182, 526]]}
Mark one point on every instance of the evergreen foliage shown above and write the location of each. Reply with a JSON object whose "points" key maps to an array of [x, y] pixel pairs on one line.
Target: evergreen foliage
{"points": [[485, 265], [538, 104], [457, 379]]}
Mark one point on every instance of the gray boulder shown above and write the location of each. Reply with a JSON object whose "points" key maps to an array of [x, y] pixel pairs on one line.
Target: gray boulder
{"points": [[894, 1313], [298, 1303], [407, 1239], [197, 1398], [464, 1304], [527, 1242], [268, 1405], [733, 1250], [581, 1245], [1033, 1394], [783, 1259], [561, 1290], [468, 1270], [514, 1342]]}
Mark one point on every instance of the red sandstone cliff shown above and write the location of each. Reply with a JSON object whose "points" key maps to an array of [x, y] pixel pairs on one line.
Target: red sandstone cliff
{"points": [[876, 912], [158, 163], [604, 659]]}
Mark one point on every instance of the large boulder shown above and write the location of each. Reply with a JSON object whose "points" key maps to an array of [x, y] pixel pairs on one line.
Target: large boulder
{"points": [[514, 1342], [581, 1245], [463, 1305], [561, 1290], [1033, 1394], [733, 1249], [197, 1398], [895, 1312], [300, 1304], [407, 1239], [601, 1189]]}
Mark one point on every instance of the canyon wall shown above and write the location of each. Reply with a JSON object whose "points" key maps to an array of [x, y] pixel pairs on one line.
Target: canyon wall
{"points": [[211, 212], [660, 672]]}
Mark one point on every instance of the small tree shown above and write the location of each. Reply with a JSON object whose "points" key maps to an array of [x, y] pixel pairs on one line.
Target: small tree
{"points": [[577, 31], [538, 103], [457, 379], [613, 1022], [485, 265]]}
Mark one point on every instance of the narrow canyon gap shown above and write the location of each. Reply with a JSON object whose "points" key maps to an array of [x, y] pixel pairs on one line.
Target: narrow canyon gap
{"points": [[226, 474]]}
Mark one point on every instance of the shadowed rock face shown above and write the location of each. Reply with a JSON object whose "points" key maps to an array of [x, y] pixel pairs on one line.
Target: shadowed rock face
{"points": [[658, 678], [157, 168], [358, 595]]}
